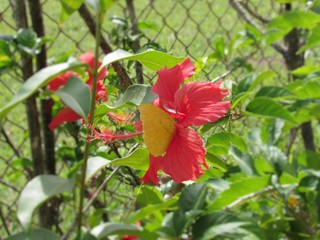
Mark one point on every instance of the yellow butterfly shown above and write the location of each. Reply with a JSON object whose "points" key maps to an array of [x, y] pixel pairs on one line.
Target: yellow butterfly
{"points": [[158, 128]]}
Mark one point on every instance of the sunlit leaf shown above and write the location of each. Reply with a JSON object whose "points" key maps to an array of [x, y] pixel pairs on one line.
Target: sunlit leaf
{"points": [[305, 89], [94, 165], [153, 209], [76, 95], [267, 107], [237, 190], [274, 92], [100, 6], [36, 81], [313, 40], [152, 59], [136, 94], [69, 7], [138, 160], [147, 195], [37, 191], [305, 70], [295, 19], [107, 229], [215, 161], [226, 139]]}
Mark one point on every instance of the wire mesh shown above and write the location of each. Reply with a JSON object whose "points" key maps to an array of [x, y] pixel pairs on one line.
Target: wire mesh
{"points": [[183, 28]]}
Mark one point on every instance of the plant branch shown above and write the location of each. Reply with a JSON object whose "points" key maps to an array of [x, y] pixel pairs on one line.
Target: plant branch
{"points": [[89, 203], [10, 143], [223, 75], [20, 16], [292, 137], [136, 43], [255, 14], [248, 197], [4, 223], [91, 23], [91, 118]]}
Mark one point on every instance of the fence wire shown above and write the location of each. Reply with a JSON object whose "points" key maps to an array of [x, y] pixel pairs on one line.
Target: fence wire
{"points": [[183, 28]]}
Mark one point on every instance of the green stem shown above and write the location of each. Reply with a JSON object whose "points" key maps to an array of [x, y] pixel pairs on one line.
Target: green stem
{"points": [[91, 117]]}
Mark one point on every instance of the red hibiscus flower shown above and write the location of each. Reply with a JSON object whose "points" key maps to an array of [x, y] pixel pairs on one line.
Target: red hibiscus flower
{"points": [[174, 147], [67, 114]]}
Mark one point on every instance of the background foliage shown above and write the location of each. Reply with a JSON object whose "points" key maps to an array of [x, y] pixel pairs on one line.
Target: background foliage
{"points": [[264, 156]]}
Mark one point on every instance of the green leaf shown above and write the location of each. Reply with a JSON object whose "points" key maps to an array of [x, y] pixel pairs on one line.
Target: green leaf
{"points": [[275, 157], [106, 229], [27, 40], [76, 95], [210, 173], [271, 130], [226, 139], [149, 195], [153, 209], [85, 236], [224, 230], [310, 159], [313, 40], [274, 92], [5, 55], [39, 233], [101, 6], [152, 59], [215, 161], [305, 89], [35, 82], [138, 160], [286, 1], [248, 84], [305, 70], [21, 162], [224, 225], [94, 165], [245, 161], [295, 19], [37, 191], [267, 107], [69, 7], [136, 94], [251, 81], [307, 112], [238, 189], [193, 197]]}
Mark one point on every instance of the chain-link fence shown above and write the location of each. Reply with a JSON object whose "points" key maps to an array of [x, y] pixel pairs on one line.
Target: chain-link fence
{"points": [[189, 28]]}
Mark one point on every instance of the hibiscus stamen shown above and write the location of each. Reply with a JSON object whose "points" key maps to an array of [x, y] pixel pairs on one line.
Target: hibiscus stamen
{"points": [[120, 118], [107, 136]]}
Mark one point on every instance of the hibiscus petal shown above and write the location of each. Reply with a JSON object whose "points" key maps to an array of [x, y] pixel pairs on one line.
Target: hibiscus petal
{"points": [[151, 175], [170, 80], [200, 103], [89, 58], [60, 80], [64, 115], [183, 158]]}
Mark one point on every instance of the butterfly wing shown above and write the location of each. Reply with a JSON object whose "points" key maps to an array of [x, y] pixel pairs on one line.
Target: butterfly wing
{"points": [[158, 128]]}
